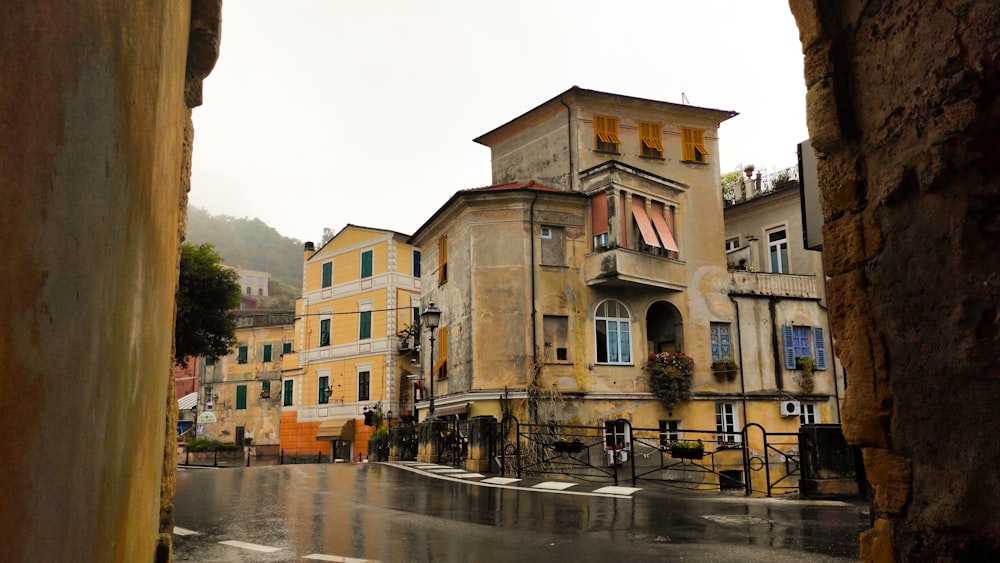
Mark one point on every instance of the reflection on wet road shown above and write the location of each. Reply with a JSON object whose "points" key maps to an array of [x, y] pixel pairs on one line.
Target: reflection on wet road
{"points": [[374, 512]]}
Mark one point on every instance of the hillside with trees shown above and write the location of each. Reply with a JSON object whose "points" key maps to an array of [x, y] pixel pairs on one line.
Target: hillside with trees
{"points": [[252, 244]]}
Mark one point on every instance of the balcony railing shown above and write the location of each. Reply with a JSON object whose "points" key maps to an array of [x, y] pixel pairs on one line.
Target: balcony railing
{"points": [[778, 285], [619, 266]]}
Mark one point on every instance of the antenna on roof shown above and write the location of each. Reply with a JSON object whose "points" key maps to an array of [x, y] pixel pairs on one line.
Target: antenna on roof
{"points": [[684, 99]]}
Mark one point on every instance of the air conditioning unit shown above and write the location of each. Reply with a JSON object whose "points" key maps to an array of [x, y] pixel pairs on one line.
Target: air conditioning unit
{"points": [[209, 405], [791, 408]]}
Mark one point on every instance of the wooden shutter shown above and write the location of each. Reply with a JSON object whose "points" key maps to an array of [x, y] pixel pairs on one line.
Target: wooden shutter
{"points": [[241, 397], [443, 259], [789, 344], [820, 346], [267, 352], [599, 213], [442, 342], [687, 143]]}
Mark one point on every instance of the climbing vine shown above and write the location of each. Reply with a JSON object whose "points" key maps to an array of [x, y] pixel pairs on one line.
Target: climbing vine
{"points": [[670, 377]]}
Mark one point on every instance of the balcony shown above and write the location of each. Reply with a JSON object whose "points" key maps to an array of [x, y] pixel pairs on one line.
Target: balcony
{"points": [[629, 268], [776, 285]]}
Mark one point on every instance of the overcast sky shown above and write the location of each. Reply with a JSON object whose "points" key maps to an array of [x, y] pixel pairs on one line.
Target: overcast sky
{"points": [[322, 113]]}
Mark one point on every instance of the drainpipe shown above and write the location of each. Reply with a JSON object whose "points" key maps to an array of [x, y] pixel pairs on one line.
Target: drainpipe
{"points": [[569, 140], [739, 338], [533, 403]]}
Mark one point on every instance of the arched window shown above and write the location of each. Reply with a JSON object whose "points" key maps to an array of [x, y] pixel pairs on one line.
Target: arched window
{"points": [[614, 340]]}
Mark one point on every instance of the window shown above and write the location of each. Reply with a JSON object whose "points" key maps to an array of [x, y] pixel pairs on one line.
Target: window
{"points": [[599, 220], [552, 246], [208, 394], [241, 397], [286, 348], [322, 396], [364, 325], [616, 434], [327, 274], [324, 332], [267, 352], [606, 133], [416, 263], [364, 385], [442, 259], [601, 241], [265, 389], [810, 415], [555, 333], [777, 247], [260, 292], [249, 291], [693, 145], [366, 263], [241, 355], [650, 139], [721, 345], [441, 366], [287, 393], [670, 431], [614, 344], [732, 244], [209, 361], [803, 342], [727, 423]]}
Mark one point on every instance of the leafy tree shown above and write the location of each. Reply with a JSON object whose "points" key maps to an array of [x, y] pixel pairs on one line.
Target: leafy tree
{"points": [[328, 235], [207, 297]]}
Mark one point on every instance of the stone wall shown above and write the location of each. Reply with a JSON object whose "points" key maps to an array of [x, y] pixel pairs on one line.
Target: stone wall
{"points": [[904, 114], [94, 107]]}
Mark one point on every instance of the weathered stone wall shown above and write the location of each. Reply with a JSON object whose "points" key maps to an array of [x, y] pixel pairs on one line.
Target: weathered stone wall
{"points": [[904, 114], [95, 170]]}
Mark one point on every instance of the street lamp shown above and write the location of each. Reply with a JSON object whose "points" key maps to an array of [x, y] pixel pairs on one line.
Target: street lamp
{"points": [[431, 319]]}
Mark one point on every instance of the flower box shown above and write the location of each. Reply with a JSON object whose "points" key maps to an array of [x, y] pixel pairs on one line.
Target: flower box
{"points": [[682, 450]]}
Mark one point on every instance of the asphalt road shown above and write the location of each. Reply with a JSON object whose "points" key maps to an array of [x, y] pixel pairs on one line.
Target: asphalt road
{"points": [[377, 512]]}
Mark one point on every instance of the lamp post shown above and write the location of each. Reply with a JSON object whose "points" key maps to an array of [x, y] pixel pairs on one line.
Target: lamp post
{"points": [[431, 318]]}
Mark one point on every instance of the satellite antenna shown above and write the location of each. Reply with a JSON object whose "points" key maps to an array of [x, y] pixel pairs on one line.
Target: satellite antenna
{"points": [[684, 99]]}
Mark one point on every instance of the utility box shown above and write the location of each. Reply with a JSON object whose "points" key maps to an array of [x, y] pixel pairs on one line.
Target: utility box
{"points": [[827, 463]]}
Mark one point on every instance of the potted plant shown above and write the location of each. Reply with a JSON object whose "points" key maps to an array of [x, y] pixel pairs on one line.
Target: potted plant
{"points": [[807, 365], [726, 367], [564, 445], [670, 377], [687, 450], [408, 337]]}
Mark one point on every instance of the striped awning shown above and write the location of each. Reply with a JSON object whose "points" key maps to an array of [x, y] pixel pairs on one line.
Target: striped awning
{"points": [[188, 401], [336, 429]]}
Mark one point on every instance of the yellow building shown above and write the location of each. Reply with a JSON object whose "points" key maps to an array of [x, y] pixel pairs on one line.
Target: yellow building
{"points": [[240, 392], [360, 291]]}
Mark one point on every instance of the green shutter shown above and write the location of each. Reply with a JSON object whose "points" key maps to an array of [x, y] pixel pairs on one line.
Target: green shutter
{"points": [[286, 348], [324, 332], [287, 393], [241, 397], [324, 382], [327, 274], [366, 264], [789, 344], [820, 345], [267, 352], [265, 386], [241, 357], [365, 325]]}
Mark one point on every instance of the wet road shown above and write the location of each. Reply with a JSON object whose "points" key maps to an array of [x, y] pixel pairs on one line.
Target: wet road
{"points": [[375, 512]]}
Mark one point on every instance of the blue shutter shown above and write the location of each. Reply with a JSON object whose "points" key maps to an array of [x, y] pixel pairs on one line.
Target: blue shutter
{"points": [[786, 337], [820, 345]]}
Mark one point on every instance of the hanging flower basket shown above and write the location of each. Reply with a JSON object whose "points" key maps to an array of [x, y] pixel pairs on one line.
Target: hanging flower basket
{"points": [[670, 377], [568, 446], [725, 368], [687, 450]]}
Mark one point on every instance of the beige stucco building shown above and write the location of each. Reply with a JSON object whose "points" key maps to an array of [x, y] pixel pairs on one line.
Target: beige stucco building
{"points": [[240, 392], [360, 290], [600, 243]]}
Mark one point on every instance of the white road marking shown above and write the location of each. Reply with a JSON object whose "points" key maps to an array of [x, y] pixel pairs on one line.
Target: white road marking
{"points": [[617, 490], [322, 557], [178, 531], [553, 485], [447, 470], [500, 480], [251, 546], [468, 475]]}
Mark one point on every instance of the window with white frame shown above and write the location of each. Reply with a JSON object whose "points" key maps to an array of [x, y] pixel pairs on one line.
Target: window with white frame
{"points": [[612, 328], [722, 348], [777, 248], [364, 385], [732, 244], [670, 431], [727, 423], [617, 435], [810, 414]]}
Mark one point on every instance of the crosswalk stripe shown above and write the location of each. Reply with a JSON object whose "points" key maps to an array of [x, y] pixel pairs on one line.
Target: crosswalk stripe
{"points": [[500, 480], [338, 558], [617, 490], [251, 546], [553, 485], [184, 531]]}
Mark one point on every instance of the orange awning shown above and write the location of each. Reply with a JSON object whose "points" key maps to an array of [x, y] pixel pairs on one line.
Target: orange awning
{"points": [[656, 210], [641, 219], [336, 429]]}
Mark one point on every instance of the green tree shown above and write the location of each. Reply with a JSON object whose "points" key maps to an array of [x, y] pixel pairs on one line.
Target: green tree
{"points": [[207, 297]]}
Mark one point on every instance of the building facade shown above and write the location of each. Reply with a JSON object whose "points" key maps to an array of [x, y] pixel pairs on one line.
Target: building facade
{"points": [[240, 393], [360, 292]]}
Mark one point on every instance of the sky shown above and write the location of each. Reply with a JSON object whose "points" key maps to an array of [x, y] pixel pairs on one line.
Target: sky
{"points": [[321, 113]]}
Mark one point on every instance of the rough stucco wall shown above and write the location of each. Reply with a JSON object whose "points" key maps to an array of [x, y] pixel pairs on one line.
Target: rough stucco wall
{"points": [[903, 111]]}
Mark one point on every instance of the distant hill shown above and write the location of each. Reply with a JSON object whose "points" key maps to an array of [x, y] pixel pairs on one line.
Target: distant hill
{"points": [[252, 244]]}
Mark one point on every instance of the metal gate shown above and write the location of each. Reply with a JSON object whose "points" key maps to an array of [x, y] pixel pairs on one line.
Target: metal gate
{"points": [[688, 459]]}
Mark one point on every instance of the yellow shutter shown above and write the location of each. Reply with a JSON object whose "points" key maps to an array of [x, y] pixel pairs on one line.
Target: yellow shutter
{"points": [[687, 143], [442, 348], [699, 141], [651, 135], [443, 259], [612, 129]]}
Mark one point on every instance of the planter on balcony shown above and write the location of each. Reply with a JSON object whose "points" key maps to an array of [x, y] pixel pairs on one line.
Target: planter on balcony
{"points": [[681, 450]]}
